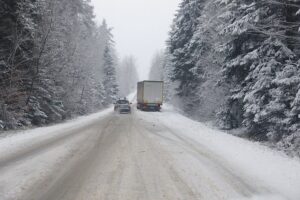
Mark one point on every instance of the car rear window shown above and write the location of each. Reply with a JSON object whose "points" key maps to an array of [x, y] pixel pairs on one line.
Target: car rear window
{"points": [[123, 102]]}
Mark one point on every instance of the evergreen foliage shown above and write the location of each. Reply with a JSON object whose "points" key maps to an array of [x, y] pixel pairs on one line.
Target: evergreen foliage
{"points": [[157, 65], [110, 79], [127, 76], [179, 46], [237, 63], [51, 62]]}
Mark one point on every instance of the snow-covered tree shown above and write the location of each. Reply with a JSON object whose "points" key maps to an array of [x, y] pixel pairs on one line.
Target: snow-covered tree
{"points": [[180, 46], [237, 62], [157, 66], [51, 61], [110, 76], [127, 76], [17, 29]]}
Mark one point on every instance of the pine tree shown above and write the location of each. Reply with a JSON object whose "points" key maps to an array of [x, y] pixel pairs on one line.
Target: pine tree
{"points": [[157, 65], [49, 61], [127, 76], [110, 80], [17, 27], [109, 65], [246, 54], [180, 45], [169, 85]]}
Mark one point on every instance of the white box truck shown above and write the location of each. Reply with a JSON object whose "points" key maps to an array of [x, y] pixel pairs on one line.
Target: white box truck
{"points": [[150, 95]]}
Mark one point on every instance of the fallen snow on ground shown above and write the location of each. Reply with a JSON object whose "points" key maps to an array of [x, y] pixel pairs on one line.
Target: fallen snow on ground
{"points": [[16, 141], [276, 176], [27, 174], [209, 160]]}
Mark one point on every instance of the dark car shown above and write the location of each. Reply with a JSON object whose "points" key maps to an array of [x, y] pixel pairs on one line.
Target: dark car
{"points": [[122, 106]]}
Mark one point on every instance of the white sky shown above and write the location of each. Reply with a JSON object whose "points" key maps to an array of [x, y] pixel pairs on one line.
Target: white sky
{"points": [[140, 26]]}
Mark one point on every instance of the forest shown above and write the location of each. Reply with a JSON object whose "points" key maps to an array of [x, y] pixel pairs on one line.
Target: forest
{"points": [[56, 62], [230, 63], [236, 64]]}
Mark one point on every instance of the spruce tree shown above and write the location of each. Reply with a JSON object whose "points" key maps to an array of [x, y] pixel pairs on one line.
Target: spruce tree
{"points": [[110, 80], [127, 76], [180, 45], [51, 56], [246, 54]]}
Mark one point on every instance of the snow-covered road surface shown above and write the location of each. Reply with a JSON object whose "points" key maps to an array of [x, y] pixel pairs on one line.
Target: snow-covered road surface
{"points": [[143, 156]]}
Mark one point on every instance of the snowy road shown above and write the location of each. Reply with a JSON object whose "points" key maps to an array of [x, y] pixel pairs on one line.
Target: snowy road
{"points": [[143, 156]]}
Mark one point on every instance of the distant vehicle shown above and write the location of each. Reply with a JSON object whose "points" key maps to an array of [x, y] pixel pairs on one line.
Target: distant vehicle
{"points": [[122, 106], [150, 95]]}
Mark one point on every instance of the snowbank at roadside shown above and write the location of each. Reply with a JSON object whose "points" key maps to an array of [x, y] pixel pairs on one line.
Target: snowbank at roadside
{"points": [[22, 139], [280, 173]]}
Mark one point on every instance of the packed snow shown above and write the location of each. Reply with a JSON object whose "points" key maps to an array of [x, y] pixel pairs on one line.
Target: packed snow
{"points": [[276, 175], [16, 141], [211, 162]]}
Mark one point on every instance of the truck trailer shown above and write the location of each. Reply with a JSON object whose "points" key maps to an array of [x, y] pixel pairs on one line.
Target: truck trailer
{"points": [[150, 95]]}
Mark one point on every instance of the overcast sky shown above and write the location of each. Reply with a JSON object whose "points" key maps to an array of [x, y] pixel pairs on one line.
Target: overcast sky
{"points": [[140, 26]]}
